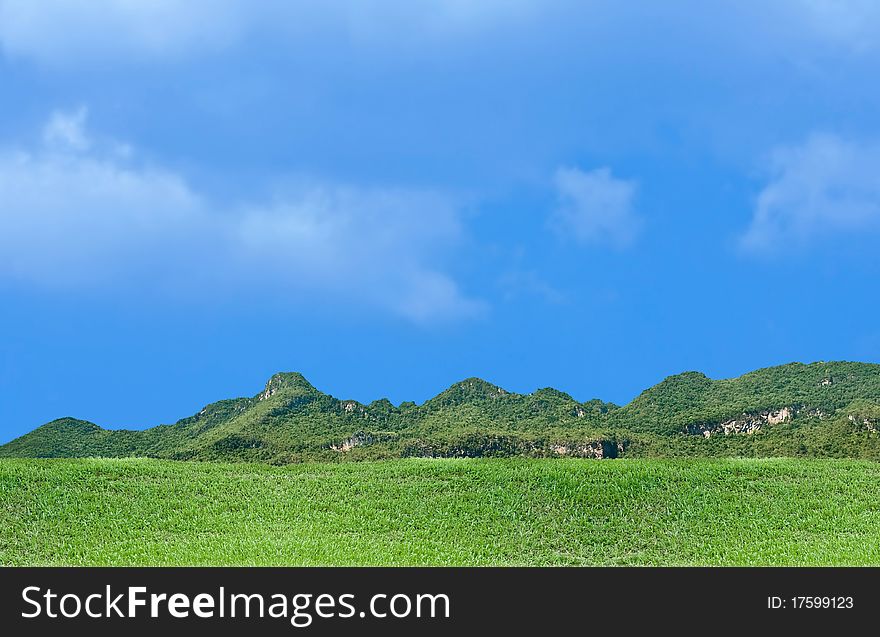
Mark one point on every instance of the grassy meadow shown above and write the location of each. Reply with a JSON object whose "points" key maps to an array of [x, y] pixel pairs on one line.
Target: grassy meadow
{"points": [[440, 512]]}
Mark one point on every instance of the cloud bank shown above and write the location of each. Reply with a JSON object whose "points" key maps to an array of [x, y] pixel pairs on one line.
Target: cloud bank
{"points": [[63, 31], [851, 23], [826, 185], [58, 31], [79, 211]]}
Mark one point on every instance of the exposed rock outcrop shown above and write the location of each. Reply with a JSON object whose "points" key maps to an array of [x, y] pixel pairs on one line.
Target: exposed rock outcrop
{"points": [[481, 446], [747, 423], [871, 424], [352, 406], [597, 449], [357, 439]]}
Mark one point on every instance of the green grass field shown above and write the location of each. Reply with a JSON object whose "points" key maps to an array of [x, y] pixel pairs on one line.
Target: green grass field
{"points": [[440, 512]]}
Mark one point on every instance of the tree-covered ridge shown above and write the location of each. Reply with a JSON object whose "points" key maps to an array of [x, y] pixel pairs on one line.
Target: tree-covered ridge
{"points": [[821, 409], [819, 388]]}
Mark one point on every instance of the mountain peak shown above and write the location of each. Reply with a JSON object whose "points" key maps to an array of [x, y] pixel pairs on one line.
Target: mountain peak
{"points": [[469, 390], [479, 387], [72, 424], [552, 394], [692, 376], [287, 381]]}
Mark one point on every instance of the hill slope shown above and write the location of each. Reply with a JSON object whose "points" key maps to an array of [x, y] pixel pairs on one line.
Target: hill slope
{"points": [[821, 409]]}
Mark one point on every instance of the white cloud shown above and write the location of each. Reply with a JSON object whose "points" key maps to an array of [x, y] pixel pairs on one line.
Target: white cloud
{"points": [[596, 207], [67, 130], [825, 185], [360, 243], [73, 216], [853, 23], [63, 31]]}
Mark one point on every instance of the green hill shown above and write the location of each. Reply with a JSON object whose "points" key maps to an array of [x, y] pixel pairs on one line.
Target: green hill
{"points": [[821, 409]]}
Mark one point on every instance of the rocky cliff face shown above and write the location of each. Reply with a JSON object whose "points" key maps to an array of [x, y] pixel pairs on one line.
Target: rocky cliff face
{"points": [[495, 445], [357, 439], [597, 449], [871, 424], [747, 423]]}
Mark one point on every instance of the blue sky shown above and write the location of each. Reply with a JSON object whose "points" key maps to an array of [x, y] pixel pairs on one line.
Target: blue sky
{"points": [[391, 196]]}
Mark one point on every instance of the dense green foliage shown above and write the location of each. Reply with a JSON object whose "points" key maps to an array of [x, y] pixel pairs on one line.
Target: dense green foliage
{"points": [[433, 512], [678, 401], [818, 410]]}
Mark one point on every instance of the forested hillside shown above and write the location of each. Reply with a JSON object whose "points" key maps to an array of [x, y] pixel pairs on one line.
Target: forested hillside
{"points": [[821, 410]]}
